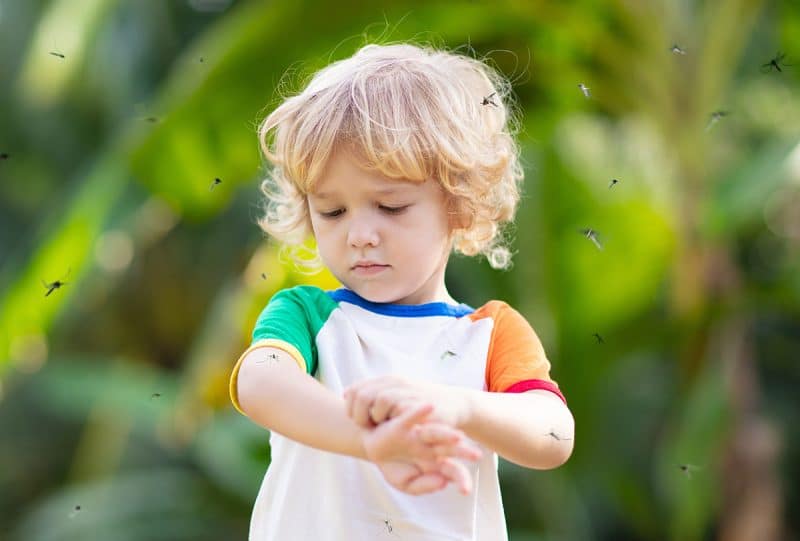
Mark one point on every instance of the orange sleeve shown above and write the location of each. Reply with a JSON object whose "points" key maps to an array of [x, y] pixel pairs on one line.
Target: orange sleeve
{"points": [[516, 359]]}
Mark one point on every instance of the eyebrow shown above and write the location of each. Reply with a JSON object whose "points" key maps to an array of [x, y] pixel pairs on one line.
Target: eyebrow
{"points": [[382, 191]]}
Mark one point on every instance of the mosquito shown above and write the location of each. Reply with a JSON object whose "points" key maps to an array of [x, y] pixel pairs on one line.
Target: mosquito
{"points": [[715, 117], [556, 437], [75, 511], [599, 338], [271, 356], [591, 234], [488, 100], [775, 63], [215, 183], [155, 395], [57, 54], [387, 524], [263, 275], [52, 286], [613, 183], [677, 50], [4, 156], [585, 90], [688, 469], [447, 353], [151, 119]]}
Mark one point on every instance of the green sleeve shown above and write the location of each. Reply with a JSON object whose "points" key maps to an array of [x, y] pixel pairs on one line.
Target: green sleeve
{"points": [[295, 316]]}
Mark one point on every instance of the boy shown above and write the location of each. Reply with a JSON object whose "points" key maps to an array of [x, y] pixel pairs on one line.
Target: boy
{"points": [[388, 401]]}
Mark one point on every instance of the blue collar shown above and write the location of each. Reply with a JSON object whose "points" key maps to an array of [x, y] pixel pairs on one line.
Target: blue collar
{"points": [[402, 310]]}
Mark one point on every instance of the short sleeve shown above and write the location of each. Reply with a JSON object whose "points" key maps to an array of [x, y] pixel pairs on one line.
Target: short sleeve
{"points": [[290, 321], [285, 323], [516, 359]]}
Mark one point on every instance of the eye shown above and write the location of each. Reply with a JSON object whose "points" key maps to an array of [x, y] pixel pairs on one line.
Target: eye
{"points": [[394, 210], [332, 214]]}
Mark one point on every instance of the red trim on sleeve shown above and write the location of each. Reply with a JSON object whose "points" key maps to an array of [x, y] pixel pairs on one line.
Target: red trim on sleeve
{"points": [[531, 384]]}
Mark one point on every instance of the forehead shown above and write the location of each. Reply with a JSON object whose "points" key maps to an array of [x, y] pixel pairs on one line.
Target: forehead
{"points": [[401, 189], [343, 175]]}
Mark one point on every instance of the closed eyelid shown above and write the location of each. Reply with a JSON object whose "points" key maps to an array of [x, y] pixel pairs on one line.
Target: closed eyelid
{"points": [[390, 209], [337, 204]]}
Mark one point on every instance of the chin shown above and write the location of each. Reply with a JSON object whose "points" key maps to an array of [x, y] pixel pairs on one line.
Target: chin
{"points": [[374, 294], [376, 297]]}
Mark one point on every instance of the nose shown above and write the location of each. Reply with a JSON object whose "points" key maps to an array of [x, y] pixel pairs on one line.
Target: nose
{"points": [[363, 231]]}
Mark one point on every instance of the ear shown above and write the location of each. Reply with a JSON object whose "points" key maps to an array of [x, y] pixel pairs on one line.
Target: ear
{"points": [[458, 213]]}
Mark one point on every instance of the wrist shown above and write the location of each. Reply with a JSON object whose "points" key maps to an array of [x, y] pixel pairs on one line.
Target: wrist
{"points": [[361, 445], [466, 398]]}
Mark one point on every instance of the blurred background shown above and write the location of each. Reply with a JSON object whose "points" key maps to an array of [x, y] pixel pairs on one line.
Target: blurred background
{"points": [[132, 269]]}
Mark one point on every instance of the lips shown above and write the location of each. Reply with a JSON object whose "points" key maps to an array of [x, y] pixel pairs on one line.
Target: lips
{"points": [[369, 270], [367, 264]]}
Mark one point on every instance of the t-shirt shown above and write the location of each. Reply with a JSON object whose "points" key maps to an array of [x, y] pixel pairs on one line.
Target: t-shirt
{"points": [[341, 338]]}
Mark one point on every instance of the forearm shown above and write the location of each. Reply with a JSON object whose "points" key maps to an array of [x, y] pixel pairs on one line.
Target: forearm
{"points": [[277, 395], [533, 429]]}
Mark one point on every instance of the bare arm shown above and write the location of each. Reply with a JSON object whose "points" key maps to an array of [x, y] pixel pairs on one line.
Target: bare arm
{"points": [[534, 429], [276, 394]]}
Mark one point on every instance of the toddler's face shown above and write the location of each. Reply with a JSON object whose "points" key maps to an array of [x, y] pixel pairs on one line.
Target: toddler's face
{"points": [[401, 227]]}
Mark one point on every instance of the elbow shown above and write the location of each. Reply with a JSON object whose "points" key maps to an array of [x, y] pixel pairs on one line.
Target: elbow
{"points": [[550, 457], [562, 440], [555, 448], [562, 444], [560, 454]]}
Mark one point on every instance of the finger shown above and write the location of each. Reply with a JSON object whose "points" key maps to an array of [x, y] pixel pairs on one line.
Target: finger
{"points": [[415, 415], [360, 397], [362, 402], [401, 407], [458, 473], [462, 449], [384, 404], [426, 483], [468, 451], [448, 441], [434, 433], [350, 395], [378, 410]]}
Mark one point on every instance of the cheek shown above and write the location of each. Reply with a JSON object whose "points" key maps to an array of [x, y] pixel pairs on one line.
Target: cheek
{"points": [[426, 237], [320, 227], [322, 236]]}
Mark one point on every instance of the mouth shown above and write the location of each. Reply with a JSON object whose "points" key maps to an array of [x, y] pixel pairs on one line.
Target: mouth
{"points": [[369, 269]]}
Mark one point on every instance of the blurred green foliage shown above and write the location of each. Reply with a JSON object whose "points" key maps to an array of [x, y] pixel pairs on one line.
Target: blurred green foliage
{"points": [[676, 344]]}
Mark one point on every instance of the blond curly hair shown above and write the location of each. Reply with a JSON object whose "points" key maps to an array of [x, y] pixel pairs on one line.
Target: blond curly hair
{"points": [[410, 112]]}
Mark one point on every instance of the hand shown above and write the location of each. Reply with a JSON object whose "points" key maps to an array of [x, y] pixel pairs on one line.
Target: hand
{"points": [[373, 401], [426, 477], [412, 438]]}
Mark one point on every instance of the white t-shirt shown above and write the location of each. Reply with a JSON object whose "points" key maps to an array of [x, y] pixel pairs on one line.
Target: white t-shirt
{"points": [[341, 338]]}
